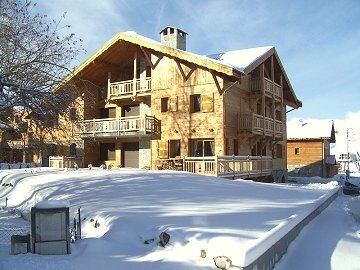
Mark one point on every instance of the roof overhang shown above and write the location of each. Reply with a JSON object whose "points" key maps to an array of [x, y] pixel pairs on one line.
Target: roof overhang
{"points": [[156, 48], [294, 102]]}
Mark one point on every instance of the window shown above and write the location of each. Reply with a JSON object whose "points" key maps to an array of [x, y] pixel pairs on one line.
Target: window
{"points": [[174, 148], [195, 103], [164, 104], [169, 104], [107, 151], [73, 149], [73, 114], [297, 151], [236, 147], [202, 148], [279, 151], [202, 103]]}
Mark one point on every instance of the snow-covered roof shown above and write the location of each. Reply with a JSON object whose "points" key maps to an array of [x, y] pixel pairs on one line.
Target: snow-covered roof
{"points": [[50, 204], [241, 59], [314, 129], [233, 63]]}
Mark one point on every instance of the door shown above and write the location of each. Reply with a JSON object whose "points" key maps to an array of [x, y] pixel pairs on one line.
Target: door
{"points": [[107, 113], [133, 110], [130, 155]]}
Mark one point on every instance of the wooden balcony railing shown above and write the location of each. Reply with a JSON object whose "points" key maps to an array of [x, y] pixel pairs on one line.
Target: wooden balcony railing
{"points": [[258, 124], [129, 88], [118, 127], [270, 87], [229, 166]]}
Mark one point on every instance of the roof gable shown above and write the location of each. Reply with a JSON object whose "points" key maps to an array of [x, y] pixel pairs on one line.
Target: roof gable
{"points": [[232, 64], [124, 38], [247, 60], [242, 60], [314, 129]]}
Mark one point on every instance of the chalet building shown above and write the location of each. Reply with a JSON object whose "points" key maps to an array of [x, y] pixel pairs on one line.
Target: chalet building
{"points": [[308, 149], [149, 104]]}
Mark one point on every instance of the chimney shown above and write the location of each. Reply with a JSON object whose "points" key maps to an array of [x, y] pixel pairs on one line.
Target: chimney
{"points": [[173, 37]]}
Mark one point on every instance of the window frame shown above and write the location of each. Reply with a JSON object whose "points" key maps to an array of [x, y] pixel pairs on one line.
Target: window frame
{"points": [[164, 104], [195, 103], [195, 150], [174, 148]]}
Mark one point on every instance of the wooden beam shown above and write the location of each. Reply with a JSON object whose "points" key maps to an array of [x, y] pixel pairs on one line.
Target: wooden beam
{"points": [[227, 88], [184, 76], [217, 83], [148, 58]]}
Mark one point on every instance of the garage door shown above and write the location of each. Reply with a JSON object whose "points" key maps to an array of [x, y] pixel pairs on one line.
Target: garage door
{"points": [[131, 154]]}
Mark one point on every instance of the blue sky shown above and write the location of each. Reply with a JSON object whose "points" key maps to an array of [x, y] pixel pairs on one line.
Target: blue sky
{"points": [[318, 41]]}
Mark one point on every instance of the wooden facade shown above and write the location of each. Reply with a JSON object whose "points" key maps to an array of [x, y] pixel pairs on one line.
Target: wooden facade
{"points": [[308, 154], [146, 103]]}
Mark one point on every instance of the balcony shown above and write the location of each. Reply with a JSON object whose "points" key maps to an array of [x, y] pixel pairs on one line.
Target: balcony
{"points": [[118, 90], [118, 127], [257, 124], [271, 88]]}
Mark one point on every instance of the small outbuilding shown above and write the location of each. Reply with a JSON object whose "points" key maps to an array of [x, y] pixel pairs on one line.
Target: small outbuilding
{"points": [[50, 227], [308, 148]]}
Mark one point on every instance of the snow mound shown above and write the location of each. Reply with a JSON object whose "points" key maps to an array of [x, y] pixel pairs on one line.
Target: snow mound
{"points": [[330, 185]]}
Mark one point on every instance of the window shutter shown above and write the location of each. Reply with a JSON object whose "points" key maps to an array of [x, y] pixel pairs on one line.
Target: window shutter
{"points": [[173, 104], [207, 103], [163, 149]]}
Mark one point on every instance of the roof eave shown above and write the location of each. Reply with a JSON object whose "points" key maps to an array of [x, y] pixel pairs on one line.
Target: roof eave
{"points": [[166, 50]]}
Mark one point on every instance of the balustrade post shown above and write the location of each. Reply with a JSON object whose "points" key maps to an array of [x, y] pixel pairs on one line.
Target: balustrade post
{"points": [[233, 161], [216, 168], [145, 124], [94, 127]]}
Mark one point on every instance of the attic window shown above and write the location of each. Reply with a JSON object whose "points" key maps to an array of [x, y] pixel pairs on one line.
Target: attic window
{"points": [[297, 151], [172, 30]]}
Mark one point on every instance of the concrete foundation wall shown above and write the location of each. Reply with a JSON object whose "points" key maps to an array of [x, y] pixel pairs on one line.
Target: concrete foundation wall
{"points": [[144, 153], [270, 257]]}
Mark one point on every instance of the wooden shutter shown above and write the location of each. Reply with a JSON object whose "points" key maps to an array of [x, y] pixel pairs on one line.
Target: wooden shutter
{"points": [[173, 104], [163, 149], [207, 103]]}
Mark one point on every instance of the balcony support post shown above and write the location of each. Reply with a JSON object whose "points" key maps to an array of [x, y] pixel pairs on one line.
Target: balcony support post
{"points": [[262, 79], [134, 77], [108, 86]]}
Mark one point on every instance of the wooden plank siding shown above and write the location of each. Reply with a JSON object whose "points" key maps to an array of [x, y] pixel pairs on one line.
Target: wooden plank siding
{"points": [[310, 152], [182, 124]]}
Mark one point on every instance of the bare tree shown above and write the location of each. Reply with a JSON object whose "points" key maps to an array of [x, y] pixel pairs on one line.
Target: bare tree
{"points": [[35, 56]]}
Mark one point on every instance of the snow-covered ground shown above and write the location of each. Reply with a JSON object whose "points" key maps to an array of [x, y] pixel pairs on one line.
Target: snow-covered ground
{"points": [[220, 217]]}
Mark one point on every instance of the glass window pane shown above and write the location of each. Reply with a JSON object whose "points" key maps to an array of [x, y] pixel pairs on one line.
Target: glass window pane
{"points": [[208, 148]]}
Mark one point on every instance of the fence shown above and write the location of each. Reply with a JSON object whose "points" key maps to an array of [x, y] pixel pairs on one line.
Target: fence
{"points": [[64, 162], [6, 233], [229, 166]]}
